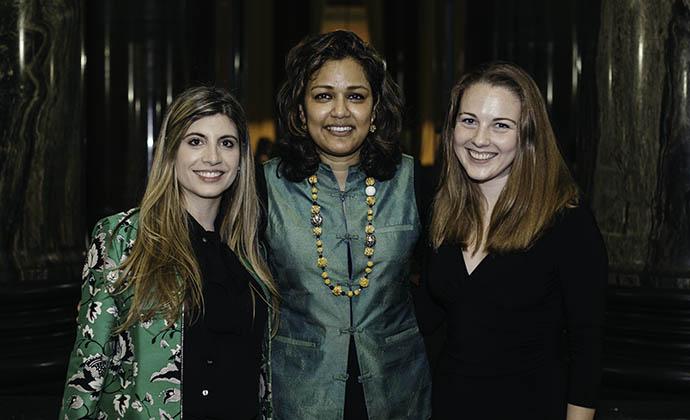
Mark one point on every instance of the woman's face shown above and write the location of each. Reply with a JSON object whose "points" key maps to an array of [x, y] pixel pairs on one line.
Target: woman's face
{"points": [[485, 139], [338, 106], [207, 160]]}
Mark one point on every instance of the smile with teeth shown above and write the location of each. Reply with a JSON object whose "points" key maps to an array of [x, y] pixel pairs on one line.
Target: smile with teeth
{"points": [[481, 155], [339, 129], [209, 175]]}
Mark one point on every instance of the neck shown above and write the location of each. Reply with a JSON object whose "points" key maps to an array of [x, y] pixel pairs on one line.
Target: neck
{"points": [[204, 212], [340, 165], [491, 190]]}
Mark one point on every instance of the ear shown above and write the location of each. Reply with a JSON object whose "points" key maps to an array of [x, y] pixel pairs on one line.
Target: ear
{"points": [[302, 118]]}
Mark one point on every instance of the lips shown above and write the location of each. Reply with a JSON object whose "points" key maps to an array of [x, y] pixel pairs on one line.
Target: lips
{"points": [[481, 155], [340, 130], [209, 176]]}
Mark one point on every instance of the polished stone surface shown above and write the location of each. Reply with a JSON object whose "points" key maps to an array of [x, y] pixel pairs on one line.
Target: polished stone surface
{"points": [[671, 233], [41, 172], [630, 79]]}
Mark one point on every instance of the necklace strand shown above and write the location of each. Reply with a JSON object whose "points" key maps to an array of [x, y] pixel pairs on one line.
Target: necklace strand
{"points": [[369, 239]]}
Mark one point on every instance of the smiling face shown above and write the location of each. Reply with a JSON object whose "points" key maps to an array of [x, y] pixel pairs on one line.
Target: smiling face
{"points": [[338, 106], [207, 160], [485, 139]]}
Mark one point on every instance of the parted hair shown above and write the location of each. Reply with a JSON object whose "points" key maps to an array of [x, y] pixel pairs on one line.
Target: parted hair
{"points": [[381, 152], [538, 187], [162, 269]]}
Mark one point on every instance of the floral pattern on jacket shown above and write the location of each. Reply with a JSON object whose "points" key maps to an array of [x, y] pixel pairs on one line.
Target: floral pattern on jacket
{"points": [[136, 373]]}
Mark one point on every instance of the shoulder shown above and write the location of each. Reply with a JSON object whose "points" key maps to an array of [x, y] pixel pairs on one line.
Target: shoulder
{"points": [[574, 218], [578, 227], [117, 231], [270, 168], [123, 223]]}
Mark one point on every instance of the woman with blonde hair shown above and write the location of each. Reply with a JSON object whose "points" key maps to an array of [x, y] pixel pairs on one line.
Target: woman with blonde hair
{"points": [[181, 275], [525, 303]]}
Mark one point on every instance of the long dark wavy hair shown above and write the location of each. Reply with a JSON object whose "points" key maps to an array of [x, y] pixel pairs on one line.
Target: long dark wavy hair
{"points": [[380, 153]]}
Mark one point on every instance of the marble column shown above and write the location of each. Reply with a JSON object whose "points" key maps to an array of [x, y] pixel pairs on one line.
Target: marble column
{"points": [[671, 230], [630, 78], [41, 177]]}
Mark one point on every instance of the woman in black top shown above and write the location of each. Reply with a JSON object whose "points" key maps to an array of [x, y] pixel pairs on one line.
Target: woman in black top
{"points": [[177, 300], [525, 300]]}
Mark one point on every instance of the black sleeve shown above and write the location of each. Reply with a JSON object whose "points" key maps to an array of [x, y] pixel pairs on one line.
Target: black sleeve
{"points": [[429, 314], [583, 270]]}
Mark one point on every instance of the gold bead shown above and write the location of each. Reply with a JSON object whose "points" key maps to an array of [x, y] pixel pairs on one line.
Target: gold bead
{"points": [[322, 262], [324, 274], [326, 281], [349, 293], [315, 209], [313, 179], [370, 212], [317, 231], [371, 200], [368, 251], [364, 282], [357, 292], [314, 197], [370, 218], [370, 181], [369, 229], [314, 190], [370, 263], [319, 249], [319, 242], [368, 270], [337, 290]]}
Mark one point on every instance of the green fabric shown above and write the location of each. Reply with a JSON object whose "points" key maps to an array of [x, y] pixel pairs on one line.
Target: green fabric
{"points": [[135, 374], [309, 354]]}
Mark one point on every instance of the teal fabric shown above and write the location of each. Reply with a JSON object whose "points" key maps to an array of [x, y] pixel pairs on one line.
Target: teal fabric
{"points": [[309, 353]]}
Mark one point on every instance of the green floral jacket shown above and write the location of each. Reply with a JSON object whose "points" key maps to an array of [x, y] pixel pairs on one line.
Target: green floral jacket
{"points": [[135, 374]]}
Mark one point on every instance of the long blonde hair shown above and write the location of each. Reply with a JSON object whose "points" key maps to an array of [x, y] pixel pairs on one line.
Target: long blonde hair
{"points": [[538, 187], [161, 269]]}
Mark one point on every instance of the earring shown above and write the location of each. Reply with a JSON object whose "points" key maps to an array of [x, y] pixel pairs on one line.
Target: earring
{"points": [[304, 126], [372, 128]]}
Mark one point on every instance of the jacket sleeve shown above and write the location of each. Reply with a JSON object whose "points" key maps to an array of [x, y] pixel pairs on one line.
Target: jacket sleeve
{"points": [[87, 373], [583, 269]]}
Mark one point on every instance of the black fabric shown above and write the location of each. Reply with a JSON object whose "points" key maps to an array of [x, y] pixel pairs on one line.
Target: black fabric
{"points": [[222, 347], [524, 330]]}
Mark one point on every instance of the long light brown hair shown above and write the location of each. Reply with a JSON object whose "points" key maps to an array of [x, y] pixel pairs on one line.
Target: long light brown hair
{"points": [[162, 270], [538, 187]]}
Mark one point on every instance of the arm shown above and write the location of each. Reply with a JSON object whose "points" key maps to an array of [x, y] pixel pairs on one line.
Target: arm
{"points": [[583, 269], [579, 413], [89, 360]]}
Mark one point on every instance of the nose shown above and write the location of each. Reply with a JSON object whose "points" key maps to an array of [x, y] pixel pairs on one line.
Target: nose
{"points": [[211, 155], [482, 137], [340, 108]]}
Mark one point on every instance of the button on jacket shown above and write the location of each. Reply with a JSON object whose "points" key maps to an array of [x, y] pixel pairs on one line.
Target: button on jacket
{"points": [[310, 352]]}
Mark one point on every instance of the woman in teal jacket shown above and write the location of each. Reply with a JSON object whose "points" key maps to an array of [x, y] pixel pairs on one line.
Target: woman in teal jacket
{"points": [[176, 301], [342, 224]]}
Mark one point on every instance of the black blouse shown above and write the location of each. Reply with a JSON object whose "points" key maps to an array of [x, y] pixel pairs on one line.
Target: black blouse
{"points": [[222, 346], [524, 330]]}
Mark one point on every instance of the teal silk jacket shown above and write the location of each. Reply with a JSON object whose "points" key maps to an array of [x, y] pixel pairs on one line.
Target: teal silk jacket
{"points": [[136, 374], [310, 351]]}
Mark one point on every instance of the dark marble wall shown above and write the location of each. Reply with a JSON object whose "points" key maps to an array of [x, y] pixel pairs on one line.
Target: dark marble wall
{"points": [[41, 166], [641, 194], [631, 75], [42, 208]]}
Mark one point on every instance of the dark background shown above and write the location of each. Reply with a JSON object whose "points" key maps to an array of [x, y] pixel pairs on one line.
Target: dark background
{"points": [[84, 85]]}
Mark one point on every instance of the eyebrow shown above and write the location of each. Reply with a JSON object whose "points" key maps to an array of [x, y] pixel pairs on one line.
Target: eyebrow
{"points": [[495, 119], [194, 133], [355, 87]]}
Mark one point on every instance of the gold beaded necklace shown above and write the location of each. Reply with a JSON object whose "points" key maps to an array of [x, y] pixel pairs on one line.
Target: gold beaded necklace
{"points": [[369, 239]]}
